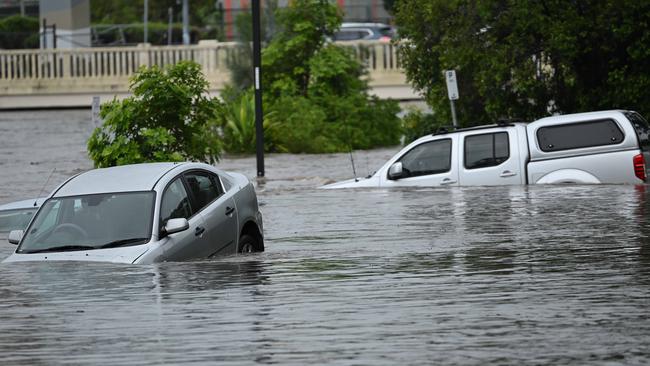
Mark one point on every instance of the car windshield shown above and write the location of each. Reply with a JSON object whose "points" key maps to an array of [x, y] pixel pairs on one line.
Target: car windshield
{"points": [[90, 222], [16, 219]]}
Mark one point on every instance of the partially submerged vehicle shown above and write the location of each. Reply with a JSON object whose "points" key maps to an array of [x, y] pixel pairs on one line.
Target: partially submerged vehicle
{"points": [[596, 147], [16, 215], [144, 213]]}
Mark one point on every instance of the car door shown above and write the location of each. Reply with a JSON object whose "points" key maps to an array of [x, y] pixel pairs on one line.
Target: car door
{"points": [[490, 158], [176, 203], [218, 211], [430, 164]]}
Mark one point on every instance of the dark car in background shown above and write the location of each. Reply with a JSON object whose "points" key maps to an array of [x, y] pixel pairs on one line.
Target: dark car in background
{"points": [[365, 32]]}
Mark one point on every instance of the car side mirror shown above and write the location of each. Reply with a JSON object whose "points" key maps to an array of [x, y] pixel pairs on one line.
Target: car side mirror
{"points": [[15, 236], [396, 171], [176, 225]]}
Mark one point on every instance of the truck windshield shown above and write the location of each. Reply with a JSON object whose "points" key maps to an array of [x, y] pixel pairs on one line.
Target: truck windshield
{"points": [[641, 128], [90, 222]]}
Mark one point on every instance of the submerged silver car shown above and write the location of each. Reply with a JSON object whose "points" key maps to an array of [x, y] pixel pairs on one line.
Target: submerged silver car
{"points": [[144, 213]]}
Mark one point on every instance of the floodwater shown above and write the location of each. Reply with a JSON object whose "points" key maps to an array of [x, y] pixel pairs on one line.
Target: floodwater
{"points": [[456, 276]]}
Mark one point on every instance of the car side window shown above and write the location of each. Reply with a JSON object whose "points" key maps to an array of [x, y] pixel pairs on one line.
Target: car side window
{"points": [[204, 187], [485, 150], [431, 157], [175, 202]]}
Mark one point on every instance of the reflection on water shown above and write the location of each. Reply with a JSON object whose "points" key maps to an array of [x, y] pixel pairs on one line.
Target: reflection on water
{"points": [[467, 276]]}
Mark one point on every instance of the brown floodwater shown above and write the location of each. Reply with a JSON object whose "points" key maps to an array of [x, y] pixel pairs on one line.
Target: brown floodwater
{"points": [[457, 276]]}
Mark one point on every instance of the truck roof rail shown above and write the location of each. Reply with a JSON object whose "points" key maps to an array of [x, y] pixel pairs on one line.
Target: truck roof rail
{"points": [[442, 130]]}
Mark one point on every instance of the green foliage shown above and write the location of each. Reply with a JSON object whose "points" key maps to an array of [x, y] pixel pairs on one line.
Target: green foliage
{"points": [[239, 122], [417, 124], [301, 129], [18, 32], [304, 24], [205, 18], [168, 118], [317, 90], [527, 59], [157, 33]]}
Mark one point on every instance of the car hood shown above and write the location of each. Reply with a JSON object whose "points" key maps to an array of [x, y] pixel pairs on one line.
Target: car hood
{"points": [[372, 181], [114, 255]]}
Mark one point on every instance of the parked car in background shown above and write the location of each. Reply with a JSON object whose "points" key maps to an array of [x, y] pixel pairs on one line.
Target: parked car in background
{"points": [[144, 213], [16, 215], [597, 147], [364, 32]]}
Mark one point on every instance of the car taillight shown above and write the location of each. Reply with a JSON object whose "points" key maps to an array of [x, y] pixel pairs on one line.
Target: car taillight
{"points": [[384, 39], [639, 167]]}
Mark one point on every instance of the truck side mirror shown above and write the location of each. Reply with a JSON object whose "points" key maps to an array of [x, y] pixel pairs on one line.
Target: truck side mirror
{"points": [[15, 236], [396, 171]]}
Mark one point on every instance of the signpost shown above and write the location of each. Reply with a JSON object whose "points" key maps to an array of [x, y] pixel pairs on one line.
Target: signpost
{"points": [[452, 92]]}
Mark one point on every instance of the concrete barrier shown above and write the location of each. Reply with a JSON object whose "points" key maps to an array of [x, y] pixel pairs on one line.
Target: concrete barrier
{"points": [[71, 77]]}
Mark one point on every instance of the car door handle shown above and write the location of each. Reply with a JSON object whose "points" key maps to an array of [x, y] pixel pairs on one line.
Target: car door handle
{"points": [[507, 173], [447, 181], [229, 211], [199, 230]]}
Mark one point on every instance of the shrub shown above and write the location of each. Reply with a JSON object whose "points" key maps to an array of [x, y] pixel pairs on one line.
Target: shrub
{"points": [[239, 134], [417, 124], [319, 90], [18, 32], [168, 118]]}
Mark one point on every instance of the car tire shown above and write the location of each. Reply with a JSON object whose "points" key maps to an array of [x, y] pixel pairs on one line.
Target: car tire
{"points": [[248, 244]]}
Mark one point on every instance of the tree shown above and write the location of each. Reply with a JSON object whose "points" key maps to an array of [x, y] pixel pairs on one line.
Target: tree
{"points": [[318, 90], [168, 118], [527, 59]]}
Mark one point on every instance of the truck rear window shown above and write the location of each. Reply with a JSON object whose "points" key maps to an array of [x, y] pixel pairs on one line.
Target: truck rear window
{"points": [[579, 135], [641, 128]]}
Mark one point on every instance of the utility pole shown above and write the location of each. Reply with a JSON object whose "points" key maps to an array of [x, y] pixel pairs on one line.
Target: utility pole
{"points": [[170, 14], [257, 70], [145, 20], [186, 23]]}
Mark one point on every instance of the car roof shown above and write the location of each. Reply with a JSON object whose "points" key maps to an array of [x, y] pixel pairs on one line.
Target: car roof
{"points": [[24, 204], [365, 25], [125, 178]]}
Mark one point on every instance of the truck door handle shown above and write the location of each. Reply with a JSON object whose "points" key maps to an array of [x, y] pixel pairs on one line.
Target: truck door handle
{"points": [[447, 181], [507, 173], [199, 230], [229, 211]]}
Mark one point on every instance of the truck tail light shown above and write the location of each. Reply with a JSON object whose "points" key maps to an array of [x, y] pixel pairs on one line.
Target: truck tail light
{"points": [[639, 167]]}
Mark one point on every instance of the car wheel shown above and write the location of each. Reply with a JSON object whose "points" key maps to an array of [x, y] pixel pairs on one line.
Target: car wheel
{"points": [[247, 244]]}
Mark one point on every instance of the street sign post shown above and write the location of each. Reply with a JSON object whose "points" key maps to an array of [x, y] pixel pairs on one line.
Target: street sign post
{"points": [[452, 92]]}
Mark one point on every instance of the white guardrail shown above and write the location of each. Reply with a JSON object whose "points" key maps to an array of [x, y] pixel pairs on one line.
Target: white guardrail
{"points": [[102, 70]]}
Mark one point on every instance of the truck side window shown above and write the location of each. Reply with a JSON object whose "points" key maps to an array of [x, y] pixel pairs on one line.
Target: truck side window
{"points": [[579, 135], [431, 157], [485, 150]]}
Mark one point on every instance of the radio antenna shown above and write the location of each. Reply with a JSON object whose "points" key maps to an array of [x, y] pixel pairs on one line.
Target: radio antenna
{"points": [[354, 171], [43, 188]]}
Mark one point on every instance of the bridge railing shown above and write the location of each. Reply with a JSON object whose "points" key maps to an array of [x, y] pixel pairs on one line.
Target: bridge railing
{"points": [[116, 64]]}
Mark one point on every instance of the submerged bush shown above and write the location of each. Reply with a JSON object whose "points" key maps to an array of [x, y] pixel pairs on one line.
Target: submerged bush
{"points": [[168, 118]]}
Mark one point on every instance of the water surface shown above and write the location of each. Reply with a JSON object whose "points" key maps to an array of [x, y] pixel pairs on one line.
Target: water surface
{"points": [[459, 276]]}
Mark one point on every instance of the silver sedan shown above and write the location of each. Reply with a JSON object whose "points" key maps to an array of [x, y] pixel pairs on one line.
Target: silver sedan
{"points": [[144, 213]]}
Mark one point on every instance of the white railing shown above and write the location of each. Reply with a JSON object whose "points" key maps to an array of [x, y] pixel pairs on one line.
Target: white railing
{"points": [[23, 70]]}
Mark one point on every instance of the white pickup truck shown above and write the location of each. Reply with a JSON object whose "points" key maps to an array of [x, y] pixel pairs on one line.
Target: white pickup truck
{"points": [[596, 147]]}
